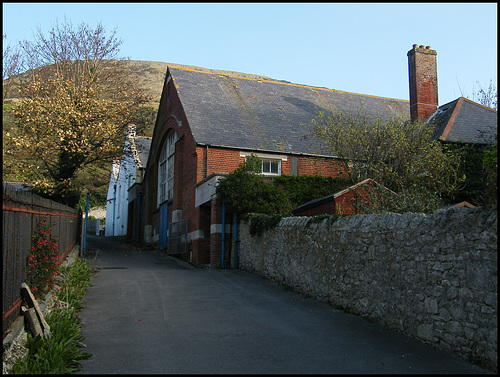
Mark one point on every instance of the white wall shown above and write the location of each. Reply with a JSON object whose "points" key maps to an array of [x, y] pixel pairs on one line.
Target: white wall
{"points": [[110, 202], [117, 200]]}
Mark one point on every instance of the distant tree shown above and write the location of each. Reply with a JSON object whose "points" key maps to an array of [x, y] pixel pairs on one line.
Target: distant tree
{"points": [[478, 187], [490, 165], [394, 153], [11, 67], [409, 199], [484, 96], [77, 100], [488, 97]]}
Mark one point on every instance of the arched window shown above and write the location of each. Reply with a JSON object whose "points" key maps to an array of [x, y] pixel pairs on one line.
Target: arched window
{"points": [[166, 169]]}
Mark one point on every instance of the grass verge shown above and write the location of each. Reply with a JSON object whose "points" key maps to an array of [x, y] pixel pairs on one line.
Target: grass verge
{"points": [[60, 352]]}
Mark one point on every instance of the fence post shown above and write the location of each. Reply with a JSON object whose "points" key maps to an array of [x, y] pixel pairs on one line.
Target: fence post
{"points": [[81, 228], [236, 241]]}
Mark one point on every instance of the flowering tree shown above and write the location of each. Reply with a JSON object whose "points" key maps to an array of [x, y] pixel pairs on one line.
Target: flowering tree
{"points": [[42, 266], [77, 100]]}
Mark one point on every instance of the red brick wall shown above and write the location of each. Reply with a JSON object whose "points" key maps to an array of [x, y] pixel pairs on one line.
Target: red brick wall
{"points": [[222, 160], [343, 205], [324, 167]]}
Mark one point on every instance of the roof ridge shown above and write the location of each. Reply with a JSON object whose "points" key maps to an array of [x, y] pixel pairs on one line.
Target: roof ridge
{"points": [[249, 76], [478, 104], [452, 119], [221, 72]]}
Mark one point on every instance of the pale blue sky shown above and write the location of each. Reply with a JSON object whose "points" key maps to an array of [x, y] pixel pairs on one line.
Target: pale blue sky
{"points": [[352, 47]]}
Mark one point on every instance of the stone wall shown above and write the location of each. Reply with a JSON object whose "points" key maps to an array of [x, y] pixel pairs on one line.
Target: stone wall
{"points": [[432, 277]]}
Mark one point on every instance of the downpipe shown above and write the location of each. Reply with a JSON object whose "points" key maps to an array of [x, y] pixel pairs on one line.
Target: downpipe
{"points": [[236, 241], [222, 262], [138, 214]]}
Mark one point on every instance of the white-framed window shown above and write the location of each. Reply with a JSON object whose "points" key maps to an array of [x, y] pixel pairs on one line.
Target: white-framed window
{"points": [[270, 164], [166, 169], [271, 167]]}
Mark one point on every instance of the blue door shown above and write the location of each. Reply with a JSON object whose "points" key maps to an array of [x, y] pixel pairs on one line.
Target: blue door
{"points": [[162, 241]]}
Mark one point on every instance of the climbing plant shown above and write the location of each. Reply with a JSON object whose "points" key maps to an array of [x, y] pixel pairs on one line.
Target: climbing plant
{"points": [[302, 188], [477, 170], [247, 191]]}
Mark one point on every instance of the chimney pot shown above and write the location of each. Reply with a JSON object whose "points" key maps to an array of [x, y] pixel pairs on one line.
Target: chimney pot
{"points": [[421, 46], [427, 47], [415, 45]]}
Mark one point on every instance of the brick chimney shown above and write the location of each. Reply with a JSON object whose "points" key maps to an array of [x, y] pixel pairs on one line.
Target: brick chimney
{"points": [[422, 69]]}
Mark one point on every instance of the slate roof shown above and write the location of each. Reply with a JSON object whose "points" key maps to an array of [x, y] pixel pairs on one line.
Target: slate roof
{"points": [[243, 111], [466, 121], [142, 146]]}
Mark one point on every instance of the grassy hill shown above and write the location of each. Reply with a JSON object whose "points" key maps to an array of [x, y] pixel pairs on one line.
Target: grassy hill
{"points": [[150, 76]]}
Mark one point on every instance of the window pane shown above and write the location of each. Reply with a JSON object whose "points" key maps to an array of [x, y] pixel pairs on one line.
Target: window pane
{"points": [[274, 167], [166, 169], [266, 166]]}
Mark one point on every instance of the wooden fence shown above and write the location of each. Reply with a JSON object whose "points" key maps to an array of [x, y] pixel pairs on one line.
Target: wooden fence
{"points": [[22, 212]]}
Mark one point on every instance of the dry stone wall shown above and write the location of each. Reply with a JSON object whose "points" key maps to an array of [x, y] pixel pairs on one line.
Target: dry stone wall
{"points": [[432, 277]]}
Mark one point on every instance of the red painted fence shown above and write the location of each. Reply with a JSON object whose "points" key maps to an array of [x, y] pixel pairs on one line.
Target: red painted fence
{"points": [[22, 211]]}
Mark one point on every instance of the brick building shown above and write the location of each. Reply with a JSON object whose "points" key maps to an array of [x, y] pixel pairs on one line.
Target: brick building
{"points": [[460, 120], [208, 121]]}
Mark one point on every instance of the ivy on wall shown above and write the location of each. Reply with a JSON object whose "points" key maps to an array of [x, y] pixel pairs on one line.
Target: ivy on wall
{"points": [[246, 191]]}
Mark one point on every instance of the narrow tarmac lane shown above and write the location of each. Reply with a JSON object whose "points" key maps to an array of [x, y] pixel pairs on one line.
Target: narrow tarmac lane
{"points": [[149, 313]]}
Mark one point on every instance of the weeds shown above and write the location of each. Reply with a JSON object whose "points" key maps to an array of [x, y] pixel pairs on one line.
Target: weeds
{"points": [[60, 352], [259, 223]]}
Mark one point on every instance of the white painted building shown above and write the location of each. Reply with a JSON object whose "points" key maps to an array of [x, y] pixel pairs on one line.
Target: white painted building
{"points": [[123, 175]]}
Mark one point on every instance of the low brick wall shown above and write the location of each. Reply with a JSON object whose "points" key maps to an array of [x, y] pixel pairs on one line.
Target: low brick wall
{"points": [[432, 277]]}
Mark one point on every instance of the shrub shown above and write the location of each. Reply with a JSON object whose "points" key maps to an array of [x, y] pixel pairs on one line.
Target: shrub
{"points": [[42, 265], [301, 189]]}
